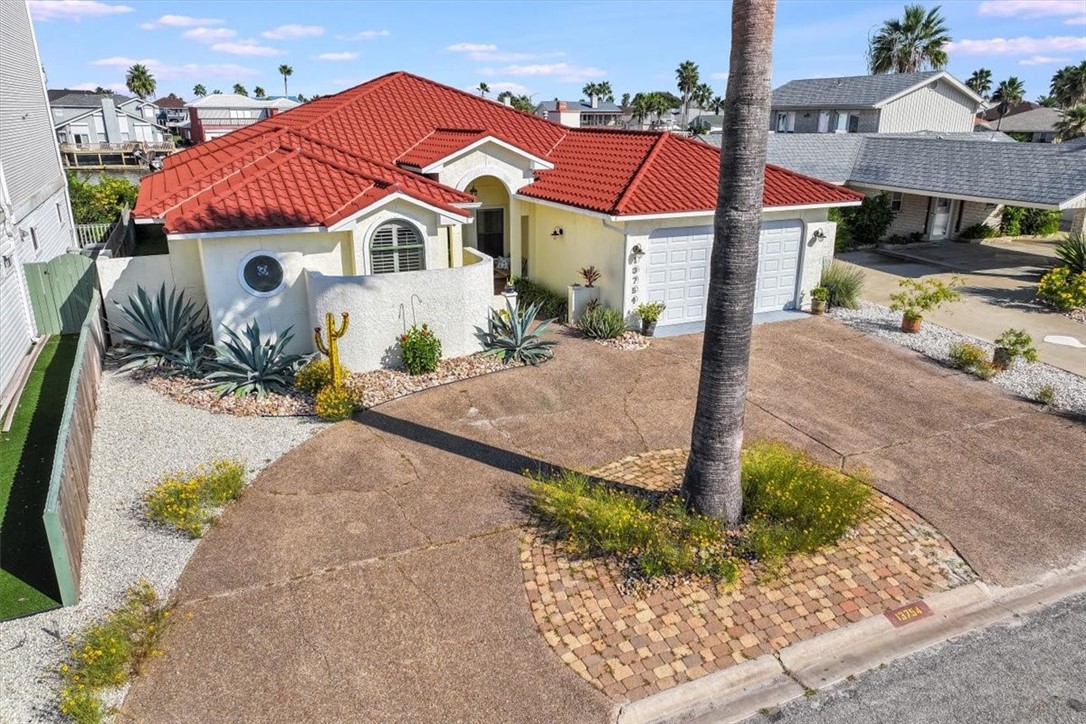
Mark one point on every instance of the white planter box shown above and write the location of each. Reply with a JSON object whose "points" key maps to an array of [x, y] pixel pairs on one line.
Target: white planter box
{"points": [[578, 298]]}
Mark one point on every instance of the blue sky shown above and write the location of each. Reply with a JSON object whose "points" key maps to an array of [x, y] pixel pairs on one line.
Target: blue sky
{"points": [[546, 49]]}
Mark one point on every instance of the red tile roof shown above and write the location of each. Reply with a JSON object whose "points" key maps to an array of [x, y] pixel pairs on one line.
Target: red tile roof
{"points": [[327, 159]]}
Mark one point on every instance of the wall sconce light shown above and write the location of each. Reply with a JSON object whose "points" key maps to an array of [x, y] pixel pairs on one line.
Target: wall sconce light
{"points": [[474, 190], [819, 235], [558, 231], [637, 252]]}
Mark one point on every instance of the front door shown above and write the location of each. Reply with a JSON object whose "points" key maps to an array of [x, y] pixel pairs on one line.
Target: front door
{"points": [[940, 219], [490, 231]]}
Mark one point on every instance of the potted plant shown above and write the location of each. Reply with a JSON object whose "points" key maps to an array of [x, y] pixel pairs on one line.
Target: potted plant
{"points": [[649, 314], [591, 275], [1012, 344], [820, 298], [919, 296], [578, 297]]}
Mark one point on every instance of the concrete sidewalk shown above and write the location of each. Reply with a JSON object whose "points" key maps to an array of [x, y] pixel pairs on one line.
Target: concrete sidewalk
{"points": [[373, 574]]}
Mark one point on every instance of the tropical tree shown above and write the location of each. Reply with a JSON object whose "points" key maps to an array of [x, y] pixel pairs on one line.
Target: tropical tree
{"points": [[641, 107], [1069, 85], [199, 91], [702, 96], [1046, 101], [259, 92], [216, 92], [716, 104], [625, 99], [980, 82], [100, 91], [140, 81], [910, 44], [1072, 124], [286, 71], [687, 78], [1007, 94], [521, 103], [483, 89], [239, 89], [711, 484]]}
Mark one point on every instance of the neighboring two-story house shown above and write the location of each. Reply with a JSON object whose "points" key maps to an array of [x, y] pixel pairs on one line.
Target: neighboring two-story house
{"points": [[86, 119], [220, 113], [580, 114], [35, 214], [889, 103], [172, 112]]}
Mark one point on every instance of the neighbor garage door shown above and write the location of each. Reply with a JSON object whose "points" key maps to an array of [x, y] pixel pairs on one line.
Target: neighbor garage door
{"points": [[678, 272]]}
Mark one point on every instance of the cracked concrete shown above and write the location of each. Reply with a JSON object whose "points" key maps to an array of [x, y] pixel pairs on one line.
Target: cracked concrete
{"points": [[427, 488]]}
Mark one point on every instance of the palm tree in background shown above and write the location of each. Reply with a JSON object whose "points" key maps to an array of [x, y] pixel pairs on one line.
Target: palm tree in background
{"points": [[1007, 95], [239, 89], [1069, 85], [980, 82], [1072, 124], [286, 71], [711, 484], [100, 91], [688, 77], [483, 89], [641, 107], [910, 44], [199, 91], [258, 92], [1046, 101], [716, 104], [625, 99], [702, 96], [140, 81]]}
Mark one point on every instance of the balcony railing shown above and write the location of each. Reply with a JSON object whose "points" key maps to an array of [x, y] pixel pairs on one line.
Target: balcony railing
{"points": [[126, 147]]}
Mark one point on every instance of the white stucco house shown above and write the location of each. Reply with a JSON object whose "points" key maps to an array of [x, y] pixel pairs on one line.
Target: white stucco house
{"points": [[401, 200]]}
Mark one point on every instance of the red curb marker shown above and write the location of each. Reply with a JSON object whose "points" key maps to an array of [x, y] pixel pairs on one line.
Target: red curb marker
{"points": [[908, 613]]}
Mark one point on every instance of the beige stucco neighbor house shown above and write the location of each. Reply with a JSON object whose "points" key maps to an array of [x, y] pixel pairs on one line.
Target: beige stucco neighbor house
{"points": [[403, 201]]}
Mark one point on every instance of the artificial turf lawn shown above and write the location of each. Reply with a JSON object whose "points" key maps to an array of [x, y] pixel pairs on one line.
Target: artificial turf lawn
{"points": [[27, 580]]}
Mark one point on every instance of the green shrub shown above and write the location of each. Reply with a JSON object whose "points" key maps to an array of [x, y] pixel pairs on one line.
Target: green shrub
{"points": [[919, 296], [1011, 345], [972, 359], [552, 304], [316, 375], [978, 231], [602, 323], [109, 652], [187, 501], [843, 241], [650, 311], [1040, 222], [795, 505], [334, 403], [420, 350], [1072, 252], [844, 283], [1010, 223], [1063, 289], [100, 203], [510, 335], [868, 222], [1046, 395]]}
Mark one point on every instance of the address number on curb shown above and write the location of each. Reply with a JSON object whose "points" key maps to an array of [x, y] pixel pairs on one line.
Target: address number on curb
{"points": [[908, 614]]}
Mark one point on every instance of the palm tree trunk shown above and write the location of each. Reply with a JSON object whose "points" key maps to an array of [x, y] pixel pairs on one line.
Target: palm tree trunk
{"points": [[285, 86], [711, 484]]}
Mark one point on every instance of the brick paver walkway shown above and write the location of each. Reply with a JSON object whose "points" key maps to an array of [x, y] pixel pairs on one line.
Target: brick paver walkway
{"points": [[630, 647]]}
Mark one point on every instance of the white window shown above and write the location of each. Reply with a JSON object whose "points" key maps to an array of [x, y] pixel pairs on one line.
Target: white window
{"points": [[34, 237], [785, 122], [396, 247], [895, 201], [823, 121], [846, 123]]}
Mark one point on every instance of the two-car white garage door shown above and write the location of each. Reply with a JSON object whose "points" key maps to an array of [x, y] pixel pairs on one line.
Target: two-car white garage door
{"points": [[678, 269]]}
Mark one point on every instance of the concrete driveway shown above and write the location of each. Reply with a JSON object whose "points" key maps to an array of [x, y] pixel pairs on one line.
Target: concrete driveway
{"points": [[372, 574], [1000, 285]]}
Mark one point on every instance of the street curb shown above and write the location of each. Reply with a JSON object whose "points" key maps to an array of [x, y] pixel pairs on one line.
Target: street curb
{"points": [[739, 692]]}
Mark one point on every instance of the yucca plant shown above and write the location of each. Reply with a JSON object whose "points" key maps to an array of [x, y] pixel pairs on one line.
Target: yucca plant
{"points": [[602, 323], [843, 284], [509, 335], [159, 328], [244, 364], [1072, 252]]}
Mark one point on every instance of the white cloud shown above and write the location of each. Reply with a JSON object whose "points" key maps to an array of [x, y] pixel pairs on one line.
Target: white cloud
{"points": [[1076, 21], [1031, 8], [181, 21], [184, 71], [293, 32], [115, 87], [561, 71], [365, 35], [487, 53], [1020, 46], [1043, 60], [516, 88], [73, 10], [208, 35], [246, 47], [346, 55], [471, 48]]}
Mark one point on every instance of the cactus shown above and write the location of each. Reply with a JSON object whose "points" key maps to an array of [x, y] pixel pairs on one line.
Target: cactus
{"points": [[331, 349]]}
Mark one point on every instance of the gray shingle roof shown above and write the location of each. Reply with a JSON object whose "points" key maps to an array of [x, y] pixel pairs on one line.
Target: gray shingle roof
{"points": [[87, 100], [1040, 120], [859, 91], [828, 156]]}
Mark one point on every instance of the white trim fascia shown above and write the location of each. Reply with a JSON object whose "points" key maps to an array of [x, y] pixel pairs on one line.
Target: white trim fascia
{"points": [[247, 232], [710, 212], [468, 205], [565, 207], [444, 217], [965, 197], [944, 75], [147, 220], [1075, 202], [537, 162]]}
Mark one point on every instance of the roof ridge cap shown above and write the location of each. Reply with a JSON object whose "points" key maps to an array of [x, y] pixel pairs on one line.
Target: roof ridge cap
{"points": [[635, 180], [416, 144]]}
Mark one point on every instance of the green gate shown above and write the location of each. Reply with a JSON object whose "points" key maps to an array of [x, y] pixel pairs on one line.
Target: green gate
{"points": [[61, 292]]}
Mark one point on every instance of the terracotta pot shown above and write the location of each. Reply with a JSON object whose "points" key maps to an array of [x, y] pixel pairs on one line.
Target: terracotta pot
{"points": [[910, 324], [1002, 358], [818, 306], [648, 328]]}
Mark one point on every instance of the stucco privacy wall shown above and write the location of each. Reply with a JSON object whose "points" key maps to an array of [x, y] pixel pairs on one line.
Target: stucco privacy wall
{"points": [[585, 241], [231, 305], [452, 301], [425, 221], [119, 278]]}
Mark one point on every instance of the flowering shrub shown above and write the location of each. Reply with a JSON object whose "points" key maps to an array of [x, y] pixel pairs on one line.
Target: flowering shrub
{"points": [[334, 403], [187, 501], [316, 375], [108, 652], [420, 349], [972, 359], [1063, 289]]}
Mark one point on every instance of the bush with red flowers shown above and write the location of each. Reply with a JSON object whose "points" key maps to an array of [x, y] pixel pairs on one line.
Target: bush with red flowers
{"points": [[420, 350]]}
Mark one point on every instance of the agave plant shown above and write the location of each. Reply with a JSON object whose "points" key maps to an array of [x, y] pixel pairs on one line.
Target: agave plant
{"points": [[1072, 252], [245, 364], [510, 335], [159, 328], [189, 362]]}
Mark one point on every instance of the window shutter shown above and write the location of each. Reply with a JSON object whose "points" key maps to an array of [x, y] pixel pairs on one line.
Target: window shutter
{"points": [[396, 248]]}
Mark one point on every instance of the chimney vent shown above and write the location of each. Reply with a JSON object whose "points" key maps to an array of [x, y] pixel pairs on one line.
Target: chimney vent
{"points": [[594, 100]]}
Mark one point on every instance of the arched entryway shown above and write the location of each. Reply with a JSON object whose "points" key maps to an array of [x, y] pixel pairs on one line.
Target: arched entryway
{"points": [[490, 232]]}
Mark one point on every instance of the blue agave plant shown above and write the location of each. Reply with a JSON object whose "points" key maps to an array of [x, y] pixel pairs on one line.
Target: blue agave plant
{"points": [[159, 329], [244, 364], [509, 335]]}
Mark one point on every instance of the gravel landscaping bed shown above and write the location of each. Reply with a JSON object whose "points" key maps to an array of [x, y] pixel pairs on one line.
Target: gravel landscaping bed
{"points": [[1023, 378], [629, 340], [139, 436]]}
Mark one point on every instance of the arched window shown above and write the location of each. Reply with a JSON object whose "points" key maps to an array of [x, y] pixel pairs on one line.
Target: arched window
{"points": [[396, 247]]}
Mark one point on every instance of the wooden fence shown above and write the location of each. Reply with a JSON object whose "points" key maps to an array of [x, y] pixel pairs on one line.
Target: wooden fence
{"points": [[65, 515], [61, 291]]}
